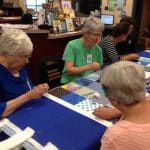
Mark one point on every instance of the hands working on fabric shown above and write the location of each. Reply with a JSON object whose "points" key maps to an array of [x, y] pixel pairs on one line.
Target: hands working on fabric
{"points": [[37, 91], [83, 56], [107, 113], [94, 66], [132, 56], [15, 86]]}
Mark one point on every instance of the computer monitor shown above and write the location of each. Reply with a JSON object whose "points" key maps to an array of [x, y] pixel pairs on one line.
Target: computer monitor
{"points": [[107, 19]]}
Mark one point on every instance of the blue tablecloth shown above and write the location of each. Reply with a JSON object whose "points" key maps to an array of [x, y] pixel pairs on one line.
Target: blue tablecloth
{"points": [[67, 129], [144, 59], [144, 54]]}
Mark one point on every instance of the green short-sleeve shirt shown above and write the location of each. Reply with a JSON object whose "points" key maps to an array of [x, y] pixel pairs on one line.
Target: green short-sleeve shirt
{"points": [[77, 53]]}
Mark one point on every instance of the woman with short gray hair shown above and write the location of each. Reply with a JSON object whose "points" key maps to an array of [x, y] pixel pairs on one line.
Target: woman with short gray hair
{"points": [[83, 56], [124, 85], [15, 85], [130, 85], [14, 41], [92, 24]]}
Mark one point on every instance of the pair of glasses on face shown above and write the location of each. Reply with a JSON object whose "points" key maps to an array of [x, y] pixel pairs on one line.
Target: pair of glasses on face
{"points": [[25, 56], [106, 89], [95, 34]]}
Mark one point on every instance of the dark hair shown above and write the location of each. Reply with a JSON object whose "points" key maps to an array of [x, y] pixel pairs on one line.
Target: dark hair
{"points": [[128, 20], [119, 29]]}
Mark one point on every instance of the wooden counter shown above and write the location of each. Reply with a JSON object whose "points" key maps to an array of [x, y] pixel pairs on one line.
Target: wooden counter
{"points": [[12, 20], [64, 35]]}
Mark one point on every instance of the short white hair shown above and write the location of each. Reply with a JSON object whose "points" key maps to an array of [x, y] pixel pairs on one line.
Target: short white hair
{"points": [[92, 24], [15, 41], [125, 81]]}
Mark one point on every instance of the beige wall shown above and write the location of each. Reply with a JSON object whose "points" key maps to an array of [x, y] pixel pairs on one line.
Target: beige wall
{"points": [[116, 13], [128, 8], [20, 3]]}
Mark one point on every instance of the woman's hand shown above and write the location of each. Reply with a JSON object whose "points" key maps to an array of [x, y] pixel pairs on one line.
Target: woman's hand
{"points": [[94, 66], [37, 91], [107, 113], [73, 70], [132, 56]]}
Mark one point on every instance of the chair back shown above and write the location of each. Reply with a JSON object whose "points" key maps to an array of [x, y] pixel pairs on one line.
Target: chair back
{"points": [[51, 70]]}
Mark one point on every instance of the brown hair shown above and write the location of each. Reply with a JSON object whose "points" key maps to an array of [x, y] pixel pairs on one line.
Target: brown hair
{"points": [[128, 20], [119, 29]]}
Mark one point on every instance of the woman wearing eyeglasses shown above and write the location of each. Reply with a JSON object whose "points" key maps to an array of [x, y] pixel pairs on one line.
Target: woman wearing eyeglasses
{"points": [[83, 56], [15, 86]]}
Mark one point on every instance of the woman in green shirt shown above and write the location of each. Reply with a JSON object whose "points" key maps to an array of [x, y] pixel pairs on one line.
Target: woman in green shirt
{"points": [[83, 56]]}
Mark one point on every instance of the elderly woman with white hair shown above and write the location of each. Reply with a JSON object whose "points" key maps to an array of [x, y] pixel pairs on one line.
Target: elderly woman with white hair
{"points": [[124, 85], [83, 56], [15, 85]]}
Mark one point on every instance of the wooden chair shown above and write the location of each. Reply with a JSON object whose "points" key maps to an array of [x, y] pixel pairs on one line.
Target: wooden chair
{"points": [[51, 70]]}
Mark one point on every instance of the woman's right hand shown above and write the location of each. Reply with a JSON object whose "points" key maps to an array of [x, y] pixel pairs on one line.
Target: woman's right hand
{"points": [[132, 56], [94, 66], [37, 91]]}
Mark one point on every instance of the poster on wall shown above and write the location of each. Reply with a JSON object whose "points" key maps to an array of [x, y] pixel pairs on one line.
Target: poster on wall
{"points": [[116, 4], [112, 4]]}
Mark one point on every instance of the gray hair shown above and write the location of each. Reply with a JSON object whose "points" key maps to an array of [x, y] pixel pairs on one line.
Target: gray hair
{"points": [[92, 24], [125, 81], [15, 41]]}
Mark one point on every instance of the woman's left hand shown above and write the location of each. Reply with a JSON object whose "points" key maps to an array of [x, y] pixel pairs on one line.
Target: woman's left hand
{"points": [[107, 113]]}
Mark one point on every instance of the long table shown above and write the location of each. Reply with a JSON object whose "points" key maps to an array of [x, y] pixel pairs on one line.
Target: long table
{"points": [[87, 93], [60, 123]]}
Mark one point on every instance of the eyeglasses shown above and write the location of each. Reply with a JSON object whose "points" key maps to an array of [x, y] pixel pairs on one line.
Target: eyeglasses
{"points": [[25, 56], [95, 34], [105, 89]]}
